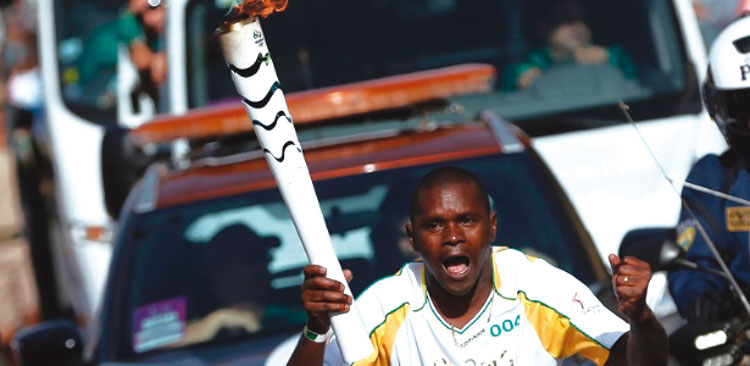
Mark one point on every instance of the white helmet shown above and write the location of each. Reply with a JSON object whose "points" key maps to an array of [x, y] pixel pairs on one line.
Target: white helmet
{"points": [[726, 91]]}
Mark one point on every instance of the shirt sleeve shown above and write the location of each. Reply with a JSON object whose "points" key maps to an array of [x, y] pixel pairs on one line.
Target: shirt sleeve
{"points": [[686, 285], [567, 316], [129, 28], [620, 59], [539, 58]]}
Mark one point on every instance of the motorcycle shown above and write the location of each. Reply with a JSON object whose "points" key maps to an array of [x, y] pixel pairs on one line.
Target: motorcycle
{"points": [[719, 343]]}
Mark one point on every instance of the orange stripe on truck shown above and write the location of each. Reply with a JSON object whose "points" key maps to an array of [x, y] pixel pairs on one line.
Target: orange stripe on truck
{"points": [[327, 103]]}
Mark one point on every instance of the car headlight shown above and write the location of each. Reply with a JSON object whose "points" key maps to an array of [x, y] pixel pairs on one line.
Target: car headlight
{"points": [[710, 340]]}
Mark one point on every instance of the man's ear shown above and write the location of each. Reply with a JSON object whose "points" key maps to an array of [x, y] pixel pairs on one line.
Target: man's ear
{"points": [[410, 234], [493, 225]]}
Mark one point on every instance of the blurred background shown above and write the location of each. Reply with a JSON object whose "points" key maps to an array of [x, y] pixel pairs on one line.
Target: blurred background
{"points": [[90, 90]]}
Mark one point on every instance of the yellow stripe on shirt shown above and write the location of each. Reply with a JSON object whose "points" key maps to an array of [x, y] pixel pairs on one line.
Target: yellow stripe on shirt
{"points": [[495, 271], [559, 336], [384, 336]]}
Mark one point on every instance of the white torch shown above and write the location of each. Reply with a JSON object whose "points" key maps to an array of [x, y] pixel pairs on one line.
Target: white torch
{"points": [[254, 76]]}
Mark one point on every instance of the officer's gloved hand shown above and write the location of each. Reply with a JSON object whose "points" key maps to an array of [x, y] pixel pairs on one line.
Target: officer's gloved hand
{"points": [[705, 307]]}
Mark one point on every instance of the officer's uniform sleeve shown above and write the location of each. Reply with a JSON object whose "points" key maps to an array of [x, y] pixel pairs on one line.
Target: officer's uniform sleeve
{"points": [[688, 285]]}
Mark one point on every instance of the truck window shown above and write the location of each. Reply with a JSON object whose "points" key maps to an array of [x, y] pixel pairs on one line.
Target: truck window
{"points": [[639, 56], [86, 35]]}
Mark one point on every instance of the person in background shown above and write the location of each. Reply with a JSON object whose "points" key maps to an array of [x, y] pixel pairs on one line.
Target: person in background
{"points": [[23, 85], [564, 27], [701, 296], [142, 29]]}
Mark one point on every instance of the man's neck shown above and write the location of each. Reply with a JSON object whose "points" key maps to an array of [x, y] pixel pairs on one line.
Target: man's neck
{"points": [[460, 310]]}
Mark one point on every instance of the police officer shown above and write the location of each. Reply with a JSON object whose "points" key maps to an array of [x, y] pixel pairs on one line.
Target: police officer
{"points": [[726, 94]]}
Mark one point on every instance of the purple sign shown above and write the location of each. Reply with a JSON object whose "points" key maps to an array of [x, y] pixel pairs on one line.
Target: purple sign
{"points": [[159, 324]]}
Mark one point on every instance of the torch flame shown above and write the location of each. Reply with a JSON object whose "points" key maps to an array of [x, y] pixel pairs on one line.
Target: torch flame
{"points": [[263, 8]]}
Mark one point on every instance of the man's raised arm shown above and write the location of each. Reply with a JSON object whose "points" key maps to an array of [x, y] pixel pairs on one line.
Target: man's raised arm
{"points": [[646, 343], [320, 297]]}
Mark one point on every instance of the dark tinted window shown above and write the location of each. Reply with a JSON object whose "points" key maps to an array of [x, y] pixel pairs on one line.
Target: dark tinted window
{"points": [[87, 39], [323, 43]]}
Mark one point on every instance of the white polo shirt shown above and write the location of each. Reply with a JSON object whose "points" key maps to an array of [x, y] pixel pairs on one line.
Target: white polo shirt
{"points": [[536, 315]]}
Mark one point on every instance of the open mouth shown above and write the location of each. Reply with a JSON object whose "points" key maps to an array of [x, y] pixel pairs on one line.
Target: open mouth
{"points": [[456, 266]]}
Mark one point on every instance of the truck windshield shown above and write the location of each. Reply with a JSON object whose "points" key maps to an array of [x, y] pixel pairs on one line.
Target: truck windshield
{"points": [[553, 58], [86, 35]]}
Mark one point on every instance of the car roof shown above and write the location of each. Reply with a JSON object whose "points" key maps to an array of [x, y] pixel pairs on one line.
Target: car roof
{"points": [[215, 178]]}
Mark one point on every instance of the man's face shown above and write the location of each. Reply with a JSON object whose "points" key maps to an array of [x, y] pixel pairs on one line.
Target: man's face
{"points": [[154, 19], [452, 230]]}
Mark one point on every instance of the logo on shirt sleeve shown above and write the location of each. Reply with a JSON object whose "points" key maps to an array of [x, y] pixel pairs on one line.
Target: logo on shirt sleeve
{"points": [[686, 233], [577, 300], [585, 307]]}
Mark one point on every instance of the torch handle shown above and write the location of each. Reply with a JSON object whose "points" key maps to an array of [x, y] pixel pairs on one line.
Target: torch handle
{"points": [[299, 195], [256, 81]]}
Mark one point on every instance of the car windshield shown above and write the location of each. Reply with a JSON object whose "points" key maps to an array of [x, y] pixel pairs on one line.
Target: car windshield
{"points": [[573, 56], [231, 268], [87, 39]]}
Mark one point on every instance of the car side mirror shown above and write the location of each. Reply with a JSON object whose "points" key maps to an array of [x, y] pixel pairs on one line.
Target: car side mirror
{"points": [[56, 342], [656, 246]]}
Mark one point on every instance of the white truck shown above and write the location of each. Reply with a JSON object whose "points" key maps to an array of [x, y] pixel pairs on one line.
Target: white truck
{"points": [[571, 112]]}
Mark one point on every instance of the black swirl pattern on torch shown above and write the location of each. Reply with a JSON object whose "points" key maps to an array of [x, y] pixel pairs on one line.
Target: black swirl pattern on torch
{"points": [[283, 151], [271, 126], [262, 103], [253, 69]]}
